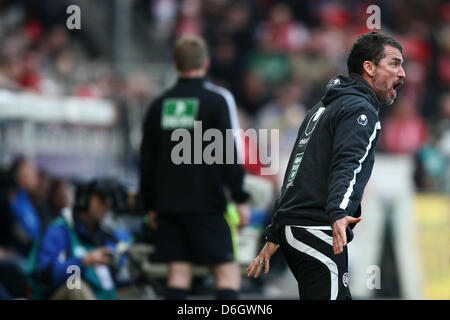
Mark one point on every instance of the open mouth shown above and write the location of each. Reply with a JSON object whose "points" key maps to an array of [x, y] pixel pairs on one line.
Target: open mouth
{"points": [[396, 85]]}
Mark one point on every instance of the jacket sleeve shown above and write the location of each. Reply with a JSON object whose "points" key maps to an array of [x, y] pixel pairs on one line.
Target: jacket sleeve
{"points": [[271, 235], [149, 144], [234, 173], [53, 260], [355, 131]]}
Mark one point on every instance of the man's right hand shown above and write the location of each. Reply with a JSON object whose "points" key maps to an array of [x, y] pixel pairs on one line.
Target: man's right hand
{"points": [[98, 256], [262, 259]]}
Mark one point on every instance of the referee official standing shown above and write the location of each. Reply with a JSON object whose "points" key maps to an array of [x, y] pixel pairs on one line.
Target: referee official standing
{"points": [[329, 167], [187, 201]]}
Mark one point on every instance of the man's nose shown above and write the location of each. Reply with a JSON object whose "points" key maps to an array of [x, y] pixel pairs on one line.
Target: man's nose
{"points": [[402, 73]]}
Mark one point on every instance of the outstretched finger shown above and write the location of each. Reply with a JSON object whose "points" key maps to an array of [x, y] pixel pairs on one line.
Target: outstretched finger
{"points": [[266, 264], [337, 246], [341, 241], [258, 269], [354, 220], [251, 269], [343, 237], [335, 242]]}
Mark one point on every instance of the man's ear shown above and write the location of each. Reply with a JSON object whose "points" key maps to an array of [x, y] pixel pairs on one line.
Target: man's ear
{"points": [[207, 65], [369, 67]]}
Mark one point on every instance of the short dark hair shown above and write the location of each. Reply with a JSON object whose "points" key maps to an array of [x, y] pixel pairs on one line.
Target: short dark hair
{"points": [[369, 46]]}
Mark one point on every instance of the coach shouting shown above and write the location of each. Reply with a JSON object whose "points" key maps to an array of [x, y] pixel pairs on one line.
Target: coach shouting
{"points": [[329, 167]]}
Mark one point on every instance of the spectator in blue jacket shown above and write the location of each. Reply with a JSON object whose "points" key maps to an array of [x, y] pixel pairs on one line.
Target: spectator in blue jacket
{"points": [[26, 222], [74, 258]]}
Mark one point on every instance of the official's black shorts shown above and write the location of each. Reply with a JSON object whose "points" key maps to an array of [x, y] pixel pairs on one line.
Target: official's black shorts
{"points": [[199, 239], [321, 275]]}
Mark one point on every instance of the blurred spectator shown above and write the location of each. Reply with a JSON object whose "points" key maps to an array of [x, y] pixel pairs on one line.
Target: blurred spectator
{"points": [[311, 68], [224, 67], [254, 93], [252, 154], [285, 113], [60, 197], [238, 26], [189, 20], [404, 131], [443, 124], [443, 127], [280, 32], [7, 218], [273, 67], [30, 78], [56, 42], [415, 88], [334, 14], [40, 196], [431, 166], [78, 240], [27, 222], [10, 71], [12, 277], [332, 39], [443, 41], [164, 13], [213, 15]]}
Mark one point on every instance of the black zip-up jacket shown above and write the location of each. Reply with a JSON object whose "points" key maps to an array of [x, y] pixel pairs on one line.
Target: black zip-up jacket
{"points": [[183, 188], [332, 158]]}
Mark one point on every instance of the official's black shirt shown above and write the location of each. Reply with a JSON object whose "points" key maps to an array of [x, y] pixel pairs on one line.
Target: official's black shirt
{"points": [[174, 176], [332, 158]]}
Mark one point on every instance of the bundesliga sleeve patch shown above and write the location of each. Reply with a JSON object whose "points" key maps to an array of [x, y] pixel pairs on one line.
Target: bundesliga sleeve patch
{"points": [[362, 120]]}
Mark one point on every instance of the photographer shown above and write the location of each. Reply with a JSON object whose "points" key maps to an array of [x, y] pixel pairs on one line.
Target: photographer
{"points": [[76, 241]]}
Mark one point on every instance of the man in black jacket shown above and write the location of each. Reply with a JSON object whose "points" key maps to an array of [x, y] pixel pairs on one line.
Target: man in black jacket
{"points": [[329, 168], [184, 192]]}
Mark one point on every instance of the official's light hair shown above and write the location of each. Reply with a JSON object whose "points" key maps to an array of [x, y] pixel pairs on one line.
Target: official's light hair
{"points": [[190, 53]]}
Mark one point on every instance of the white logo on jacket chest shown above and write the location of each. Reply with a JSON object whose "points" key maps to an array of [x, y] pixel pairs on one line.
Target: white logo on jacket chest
{"points": [[362, 120], [313, 121]]}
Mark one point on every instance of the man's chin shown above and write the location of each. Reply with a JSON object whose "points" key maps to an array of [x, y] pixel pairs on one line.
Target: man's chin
{"points": [[388, 100]]}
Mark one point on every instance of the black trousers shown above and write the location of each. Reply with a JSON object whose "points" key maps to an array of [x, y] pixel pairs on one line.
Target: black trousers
{"points": [[321, 275]]}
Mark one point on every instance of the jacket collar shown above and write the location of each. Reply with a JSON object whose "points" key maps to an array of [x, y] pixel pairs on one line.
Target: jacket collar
{"points": [[361, 80], [191, 81]]}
